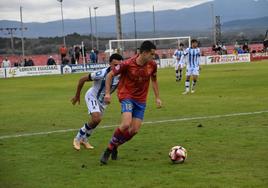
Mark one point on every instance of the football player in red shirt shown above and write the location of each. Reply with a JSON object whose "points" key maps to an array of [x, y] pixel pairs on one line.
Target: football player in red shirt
{"points": [[135, 75]]}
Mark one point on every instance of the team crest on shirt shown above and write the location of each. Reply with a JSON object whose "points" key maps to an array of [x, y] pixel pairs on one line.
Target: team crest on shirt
{"points": [[117, 67]]}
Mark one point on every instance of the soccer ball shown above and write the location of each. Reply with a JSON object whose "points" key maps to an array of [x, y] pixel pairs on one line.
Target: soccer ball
{"points": [[178, 154]]}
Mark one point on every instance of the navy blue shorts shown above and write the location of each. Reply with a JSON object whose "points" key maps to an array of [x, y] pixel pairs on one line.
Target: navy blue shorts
{"points": [[136, 108]]}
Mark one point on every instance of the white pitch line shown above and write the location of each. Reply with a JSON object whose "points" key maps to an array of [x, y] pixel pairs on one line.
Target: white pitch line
{"points": [[147, 122]]}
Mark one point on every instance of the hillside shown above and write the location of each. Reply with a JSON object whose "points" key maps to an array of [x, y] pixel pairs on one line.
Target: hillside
{"points": [[194, 18]]}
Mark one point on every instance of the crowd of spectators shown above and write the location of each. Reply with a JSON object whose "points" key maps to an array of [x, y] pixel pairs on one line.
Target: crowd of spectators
{"points": [[23, 63], [76, 52]]}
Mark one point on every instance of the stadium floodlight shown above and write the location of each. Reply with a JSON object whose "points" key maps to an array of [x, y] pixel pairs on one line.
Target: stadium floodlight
{"points": [[91, 30], [96, 30], [63, 35]]}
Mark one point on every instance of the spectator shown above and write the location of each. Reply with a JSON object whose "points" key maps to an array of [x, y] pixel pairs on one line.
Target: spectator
{"points": [[71, 52], [245, 48], [65, 61], [29, 63], [16, 64], [85, 52], [240, 51], [77, 54], [24, 62], [6, 63], [63, 52], [224, 49], [217, 49], [51, 61], [92, 57], [97, 53], [236, 45]]}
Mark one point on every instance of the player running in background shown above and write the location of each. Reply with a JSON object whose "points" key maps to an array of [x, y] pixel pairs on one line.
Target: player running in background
{"points": [[135, 75], [192, 58], [179, 65], [94, 100]]}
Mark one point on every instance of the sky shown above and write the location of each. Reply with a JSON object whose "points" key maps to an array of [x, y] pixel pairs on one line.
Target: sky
{"points": [[49, 10]]}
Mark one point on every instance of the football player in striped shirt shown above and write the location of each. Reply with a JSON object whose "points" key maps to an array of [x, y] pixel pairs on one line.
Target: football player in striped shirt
{"points": [[95, 100], [191, 57], [179, 65]]}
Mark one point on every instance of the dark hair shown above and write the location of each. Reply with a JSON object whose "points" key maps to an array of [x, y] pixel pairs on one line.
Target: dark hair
{"points": [[116, 57], [181, 44], [193, 40], [147, 46]]}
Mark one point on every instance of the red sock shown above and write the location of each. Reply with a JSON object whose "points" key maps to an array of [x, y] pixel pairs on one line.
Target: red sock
{"points": [[116, 138], [128, 135]]}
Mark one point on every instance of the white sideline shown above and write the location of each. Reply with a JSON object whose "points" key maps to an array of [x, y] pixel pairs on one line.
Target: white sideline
{"points": [[147, 122]]}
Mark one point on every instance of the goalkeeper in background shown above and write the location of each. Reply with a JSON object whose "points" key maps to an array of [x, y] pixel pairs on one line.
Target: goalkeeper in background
{"points": [[95, 100]]}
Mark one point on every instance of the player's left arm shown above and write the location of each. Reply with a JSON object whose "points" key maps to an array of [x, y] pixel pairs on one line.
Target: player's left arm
{"points": [[156, 90], [83, 79]]}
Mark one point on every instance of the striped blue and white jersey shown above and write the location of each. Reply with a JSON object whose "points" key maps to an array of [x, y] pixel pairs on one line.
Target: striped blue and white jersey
{"points": [[192, 57], [98, 88], [177, 55]]}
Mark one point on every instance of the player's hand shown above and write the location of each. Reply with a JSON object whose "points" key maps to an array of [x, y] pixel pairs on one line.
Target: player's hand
{"points": [[158, 103], [107, 98], [75, 99]]}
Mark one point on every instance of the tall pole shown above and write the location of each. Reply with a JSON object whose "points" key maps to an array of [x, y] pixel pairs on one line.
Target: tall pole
{"points": [[96, 31], [134, 19], [153, 20], [63, 35], [22, 38], [213, 24], [91, 32], [118, 22], [135, 22]]}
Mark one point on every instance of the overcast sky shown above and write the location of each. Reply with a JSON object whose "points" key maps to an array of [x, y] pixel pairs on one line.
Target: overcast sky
{"points": [[49, 10]]}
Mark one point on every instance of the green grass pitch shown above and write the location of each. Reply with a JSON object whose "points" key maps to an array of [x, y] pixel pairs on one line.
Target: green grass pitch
{"points": [[226, 151]]}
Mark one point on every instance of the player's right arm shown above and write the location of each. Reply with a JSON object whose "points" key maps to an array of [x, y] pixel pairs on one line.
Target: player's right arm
{"points": [[108, 82], [80, 85]]}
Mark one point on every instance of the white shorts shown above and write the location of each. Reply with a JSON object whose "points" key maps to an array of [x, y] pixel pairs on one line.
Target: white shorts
{"points": [[192, 71], [179, 65], [93, 105]]}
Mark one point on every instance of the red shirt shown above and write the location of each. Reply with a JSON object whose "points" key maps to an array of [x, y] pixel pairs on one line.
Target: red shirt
{"points": [[63, 50], [134, 79]]}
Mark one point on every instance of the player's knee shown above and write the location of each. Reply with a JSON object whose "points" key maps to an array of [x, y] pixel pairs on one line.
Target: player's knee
{"points": [[125, 125], [96, 120]]}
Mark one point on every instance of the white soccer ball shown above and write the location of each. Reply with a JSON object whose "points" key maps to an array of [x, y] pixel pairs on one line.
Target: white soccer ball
{"points": [[178, 154]]}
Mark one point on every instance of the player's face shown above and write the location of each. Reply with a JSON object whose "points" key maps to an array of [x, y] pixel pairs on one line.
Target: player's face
{"points": [[149, 56], [115, 62], [194, 45]]}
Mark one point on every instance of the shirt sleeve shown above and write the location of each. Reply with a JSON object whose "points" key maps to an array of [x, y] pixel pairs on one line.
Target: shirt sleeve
{"points": [[118, 69], [97, 75]]}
